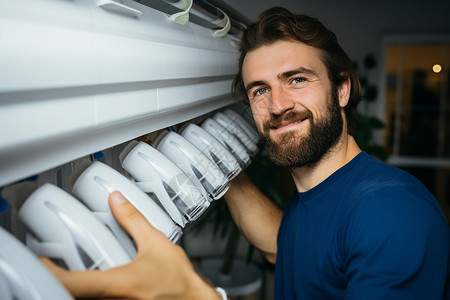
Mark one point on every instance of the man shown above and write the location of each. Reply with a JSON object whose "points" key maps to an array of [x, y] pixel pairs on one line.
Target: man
{"points": [[356, 228]]}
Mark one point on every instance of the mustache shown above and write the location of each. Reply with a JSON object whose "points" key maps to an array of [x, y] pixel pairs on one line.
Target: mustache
{"points": [[275, 121]]}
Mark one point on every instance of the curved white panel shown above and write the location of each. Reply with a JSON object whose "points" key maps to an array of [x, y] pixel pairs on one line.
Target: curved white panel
{"points": [[76, 78]]}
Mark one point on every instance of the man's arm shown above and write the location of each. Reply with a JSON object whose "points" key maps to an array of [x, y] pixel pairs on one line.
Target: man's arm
{"points": [[255, 215]]}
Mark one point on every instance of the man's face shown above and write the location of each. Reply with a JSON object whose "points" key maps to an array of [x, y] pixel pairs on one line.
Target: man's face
{"points": [[294, 106]]}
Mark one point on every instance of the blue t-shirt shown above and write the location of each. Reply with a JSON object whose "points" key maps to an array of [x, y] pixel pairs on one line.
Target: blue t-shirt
{"points": [[369, 231]]}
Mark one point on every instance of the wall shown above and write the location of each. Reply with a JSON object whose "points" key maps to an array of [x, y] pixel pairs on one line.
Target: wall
{"points": [[359, 25]]}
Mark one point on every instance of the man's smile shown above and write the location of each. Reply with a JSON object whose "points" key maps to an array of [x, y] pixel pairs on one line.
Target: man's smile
{"points": [[287, 122], [287, 125]]}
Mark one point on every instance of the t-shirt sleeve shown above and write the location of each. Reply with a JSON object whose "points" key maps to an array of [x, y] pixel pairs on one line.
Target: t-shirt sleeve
{"points": [[396, 246]]}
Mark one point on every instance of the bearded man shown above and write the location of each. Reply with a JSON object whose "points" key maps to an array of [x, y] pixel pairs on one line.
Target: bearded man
{"points": [[356, 228]]}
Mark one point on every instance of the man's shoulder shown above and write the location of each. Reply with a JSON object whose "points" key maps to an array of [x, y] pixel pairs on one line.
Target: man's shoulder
{"points": [[372, 176], [380, 189]]}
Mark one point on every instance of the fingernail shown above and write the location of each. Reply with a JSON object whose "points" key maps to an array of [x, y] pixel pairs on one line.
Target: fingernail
{"points": [[118, 197]]}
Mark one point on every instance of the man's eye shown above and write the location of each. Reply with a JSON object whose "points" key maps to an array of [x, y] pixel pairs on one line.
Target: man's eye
{"points": [[260, 91], [297, 80]]}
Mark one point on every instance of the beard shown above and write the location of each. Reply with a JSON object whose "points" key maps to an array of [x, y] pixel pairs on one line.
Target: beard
{"points": [[293, 150]]}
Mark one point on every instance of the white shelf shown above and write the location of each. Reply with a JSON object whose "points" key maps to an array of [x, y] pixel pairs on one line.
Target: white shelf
{"points": [[76, 79], [420, 162]]}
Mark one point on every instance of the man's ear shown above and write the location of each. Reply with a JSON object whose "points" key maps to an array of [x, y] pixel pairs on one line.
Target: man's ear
{"points": [[344, 92]]}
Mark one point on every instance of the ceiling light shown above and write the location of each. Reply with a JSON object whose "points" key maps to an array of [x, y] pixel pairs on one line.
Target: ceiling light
{"points": [[437, 68]]}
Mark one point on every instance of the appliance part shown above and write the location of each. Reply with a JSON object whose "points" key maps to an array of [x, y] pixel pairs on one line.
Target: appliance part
{"points": [[99, 180], [240, 120], [193, 163], [212, 148], [23, 276], [228, 140], [235, 129], [164, 182], [61, 227]]}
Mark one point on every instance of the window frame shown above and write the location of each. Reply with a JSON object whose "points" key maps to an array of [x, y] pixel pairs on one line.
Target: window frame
{"points": [[397, 159]]}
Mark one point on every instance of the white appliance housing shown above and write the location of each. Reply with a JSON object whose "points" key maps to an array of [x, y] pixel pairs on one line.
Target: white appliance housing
{"points": [[22, 275], [95, 184], [159, 177], [212, 148], [250, 129], [240, 133], [193, 162], [81, 76], [63, 228], [228, 140]]}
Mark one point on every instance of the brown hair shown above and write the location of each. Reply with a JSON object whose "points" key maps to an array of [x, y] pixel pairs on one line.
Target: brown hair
{"points": [[277, 24]]}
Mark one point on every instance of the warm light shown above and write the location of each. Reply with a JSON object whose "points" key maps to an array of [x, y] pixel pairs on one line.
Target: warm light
{"points": [[437, 68]]}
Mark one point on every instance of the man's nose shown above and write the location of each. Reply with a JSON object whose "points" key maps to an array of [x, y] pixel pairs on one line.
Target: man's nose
{"points": [[280, 101]]}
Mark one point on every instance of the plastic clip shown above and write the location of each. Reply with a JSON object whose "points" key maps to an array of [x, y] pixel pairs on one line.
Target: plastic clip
{"points": [[182, 17]]}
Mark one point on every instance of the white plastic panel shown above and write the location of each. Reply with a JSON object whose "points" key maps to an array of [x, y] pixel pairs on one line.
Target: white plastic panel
{"points": [[76, 78], [140, 102], [208, 90], [37, 55], [51, 116], [129, 60]]}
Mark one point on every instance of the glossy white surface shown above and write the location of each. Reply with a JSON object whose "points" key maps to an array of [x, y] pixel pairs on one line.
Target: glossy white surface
{"points": [[213, 149], [194, 163], [77, 78], [22, 276], [63, 228], [157, 175], [95, 184]]}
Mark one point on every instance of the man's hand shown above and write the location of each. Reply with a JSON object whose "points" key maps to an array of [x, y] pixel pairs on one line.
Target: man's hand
{"points": [[160, 269]]}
